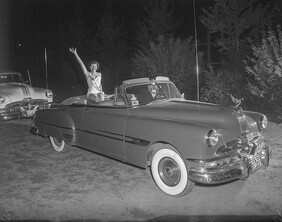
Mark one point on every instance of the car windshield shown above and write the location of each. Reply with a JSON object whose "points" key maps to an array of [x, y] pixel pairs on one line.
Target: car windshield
{"points": [[11, 77], [143, 94], [170, 90]]}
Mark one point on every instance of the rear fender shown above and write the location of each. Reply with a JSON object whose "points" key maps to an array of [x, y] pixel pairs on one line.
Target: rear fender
{"points": [[54, 132], [56, 123]]}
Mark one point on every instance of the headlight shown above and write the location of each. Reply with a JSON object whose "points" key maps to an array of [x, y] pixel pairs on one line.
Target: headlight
{"points": [[263, 122], [212, 138], [2, 99], [49, 94]]}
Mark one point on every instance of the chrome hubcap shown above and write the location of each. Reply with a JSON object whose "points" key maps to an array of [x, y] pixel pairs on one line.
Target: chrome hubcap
{"points": [[58, 142], [169, 171]]}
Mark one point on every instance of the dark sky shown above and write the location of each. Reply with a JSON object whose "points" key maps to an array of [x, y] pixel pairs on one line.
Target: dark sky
{"points": [[30, 25], [37, 21]]}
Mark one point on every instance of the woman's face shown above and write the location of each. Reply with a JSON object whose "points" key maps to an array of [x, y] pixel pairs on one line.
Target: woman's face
{"points": [[93, 67]]}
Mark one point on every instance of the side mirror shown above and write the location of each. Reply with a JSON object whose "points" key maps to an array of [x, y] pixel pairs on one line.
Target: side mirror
{"points": [[183, 96]]}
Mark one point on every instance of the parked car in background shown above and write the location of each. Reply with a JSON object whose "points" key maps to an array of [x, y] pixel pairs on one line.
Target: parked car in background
{"points": [[147, 123], [19, 99]]}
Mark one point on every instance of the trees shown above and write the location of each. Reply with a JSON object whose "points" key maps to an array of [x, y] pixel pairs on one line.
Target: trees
{"points": [[169, 57], [265, 69], [158, 21], [111, 49], [159, 52], [232, 22]]}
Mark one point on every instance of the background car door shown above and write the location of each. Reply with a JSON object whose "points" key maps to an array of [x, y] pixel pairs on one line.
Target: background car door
{"points": [[103, 129]]}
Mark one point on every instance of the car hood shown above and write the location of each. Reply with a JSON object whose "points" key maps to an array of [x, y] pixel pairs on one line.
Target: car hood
{"points": [[19, 91], [198, 113]]}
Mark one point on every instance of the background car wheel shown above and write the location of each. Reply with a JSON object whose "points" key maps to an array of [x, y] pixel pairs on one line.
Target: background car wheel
{"points": [[169, 172], [57, 144]]}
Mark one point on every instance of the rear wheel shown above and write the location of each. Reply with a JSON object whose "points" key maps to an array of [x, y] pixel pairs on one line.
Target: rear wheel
{"points": [[169, 171], [57, 144]]}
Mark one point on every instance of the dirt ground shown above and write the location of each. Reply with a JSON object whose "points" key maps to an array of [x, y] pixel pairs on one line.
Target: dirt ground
{"points": [[38, 183]]}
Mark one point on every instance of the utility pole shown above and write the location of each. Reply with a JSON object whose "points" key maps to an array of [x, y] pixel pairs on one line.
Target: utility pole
{"points": [[196, 45]]}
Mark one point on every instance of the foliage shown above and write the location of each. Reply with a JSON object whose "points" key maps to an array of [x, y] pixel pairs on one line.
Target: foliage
{"points": [[111, 48], [231, 22], [234, 20], [218, 87], [265, 69], [158, 21], [169, 57], [233, 65]]}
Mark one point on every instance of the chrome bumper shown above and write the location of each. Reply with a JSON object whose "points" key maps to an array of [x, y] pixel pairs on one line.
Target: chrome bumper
{"points": [[235, 164], [22, 109]]}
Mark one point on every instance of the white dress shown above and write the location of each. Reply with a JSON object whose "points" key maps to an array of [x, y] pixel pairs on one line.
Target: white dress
{"points": [[94, 84]]}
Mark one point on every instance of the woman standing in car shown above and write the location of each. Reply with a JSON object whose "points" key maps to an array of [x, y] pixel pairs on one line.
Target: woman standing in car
{"points": [[95, 91]]}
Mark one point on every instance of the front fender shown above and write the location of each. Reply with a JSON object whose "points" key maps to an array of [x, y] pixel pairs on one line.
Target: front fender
{"points": [[253, 118], [188, 139]]}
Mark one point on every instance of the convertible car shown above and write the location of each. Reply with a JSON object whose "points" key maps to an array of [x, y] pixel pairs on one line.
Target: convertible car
{"points": [[18, 99], [148, 123]]}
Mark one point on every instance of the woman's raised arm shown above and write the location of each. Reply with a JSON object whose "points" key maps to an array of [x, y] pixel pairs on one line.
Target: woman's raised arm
{"points": [[74, 51]]}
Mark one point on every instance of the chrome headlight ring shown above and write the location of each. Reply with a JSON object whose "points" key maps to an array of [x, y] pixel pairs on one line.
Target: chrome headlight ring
{"points": [[263, 122], [49, 94], [212, 138]]}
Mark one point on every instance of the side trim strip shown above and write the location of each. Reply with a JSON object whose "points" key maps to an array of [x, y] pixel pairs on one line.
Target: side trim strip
{"points": [[114, 136], [119, 137]]}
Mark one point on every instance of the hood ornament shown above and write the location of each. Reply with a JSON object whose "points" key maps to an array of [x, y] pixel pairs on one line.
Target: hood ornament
{"points": [[237, 102]]}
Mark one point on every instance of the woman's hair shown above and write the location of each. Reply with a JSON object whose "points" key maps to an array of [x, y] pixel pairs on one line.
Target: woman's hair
{"points": [[93, 62]]}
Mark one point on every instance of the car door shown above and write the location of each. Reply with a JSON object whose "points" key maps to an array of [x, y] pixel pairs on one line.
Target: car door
{"points": [[103, 128]]}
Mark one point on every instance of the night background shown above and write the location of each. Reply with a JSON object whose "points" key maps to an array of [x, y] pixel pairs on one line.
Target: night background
{"points": [[238, 52], [136, 38]]}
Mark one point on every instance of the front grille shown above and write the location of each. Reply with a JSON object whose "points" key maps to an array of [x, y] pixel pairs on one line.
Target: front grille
{"points": [[26, 103], [255, 162], [25, 108]]}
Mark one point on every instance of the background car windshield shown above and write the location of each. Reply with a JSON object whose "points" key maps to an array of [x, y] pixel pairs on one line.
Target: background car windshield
{"points": [[9, 78], [144, 94]]}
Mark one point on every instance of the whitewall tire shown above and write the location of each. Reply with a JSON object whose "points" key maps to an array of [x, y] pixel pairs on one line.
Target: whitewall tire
{"points": [[169, 172], [57, 144]]}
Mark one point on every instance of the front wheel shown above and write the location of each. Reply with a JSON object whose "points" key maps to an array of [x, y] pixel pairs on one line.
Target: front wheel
{"points": [[57, 144], [170, 173]]}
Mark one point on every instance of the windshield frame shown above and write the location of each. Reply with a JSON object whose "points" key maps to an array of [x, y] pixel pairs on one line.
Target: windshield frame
{"points": [[170, 85], [135, 102]]}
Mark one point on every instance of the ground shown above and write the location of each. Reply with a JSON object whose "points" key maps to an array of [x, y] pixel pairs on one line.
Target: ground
{"points": [[38, 183]]}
